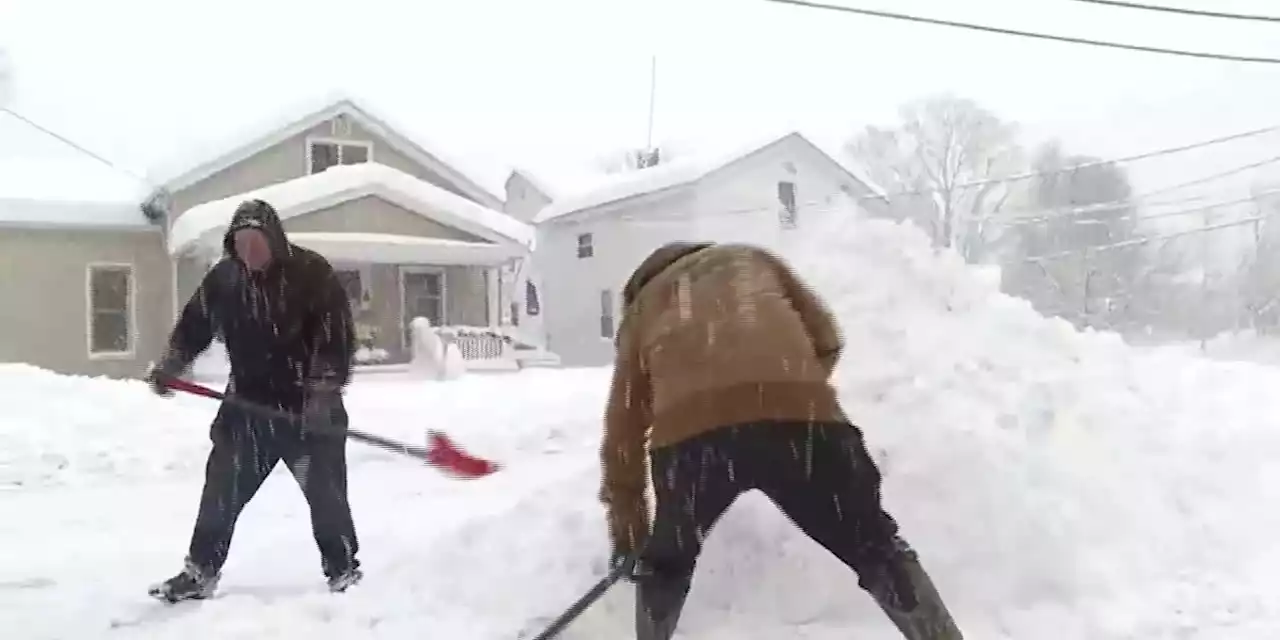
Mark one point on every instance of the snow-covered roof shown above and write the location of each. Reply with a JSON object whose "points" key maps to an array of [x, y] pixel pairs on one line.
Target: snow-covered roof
{"points": [[347, 182], [398, 249], [678, 173], [202, 161], [537, 180], [68, 191]]}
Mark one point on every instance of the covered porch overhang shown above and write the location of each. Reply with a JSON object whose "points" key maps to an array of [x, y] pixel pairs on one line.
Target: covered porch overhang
{"points": [[382, 248], [493, 237]]}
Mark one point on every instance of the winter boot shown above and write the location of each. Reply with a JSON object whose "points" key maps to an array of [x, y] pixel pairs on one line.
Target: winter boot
{"points": [[913, 604], [192, 583], [659, 602], [341, 582]]}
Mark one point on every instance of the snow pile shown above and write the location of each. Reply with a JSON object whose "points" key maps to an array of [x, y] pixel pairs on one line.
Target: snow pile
{"points": [[1240, 346], [433, 358], [1058, 485], [1002, 430], [71, 430]]}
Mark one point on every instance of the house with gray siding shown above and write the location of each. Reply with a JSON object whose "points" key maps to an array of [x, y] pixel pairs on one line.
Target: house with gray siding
{"points": [[411, 235], [589, 243]]}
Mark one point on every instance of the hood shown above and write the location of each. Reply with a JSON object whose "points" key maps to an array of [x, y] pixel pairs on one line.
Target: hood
{"points": [[258, 214], [655, 264]]}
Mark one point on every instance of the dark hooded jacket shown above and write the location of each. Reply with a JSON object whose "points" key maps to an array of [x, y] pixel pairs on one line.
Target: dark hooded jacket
{"points": [[284, 328]]}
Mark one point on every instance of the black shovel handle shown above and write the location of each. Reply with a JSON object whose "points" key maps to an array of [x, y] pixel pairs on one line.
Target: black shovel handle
{"points": [[589, 598], [271, 412]]}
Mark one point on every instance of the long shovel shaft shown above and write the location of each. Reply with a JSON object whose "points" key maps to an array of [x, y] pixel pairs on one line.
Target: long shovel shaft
{"points": [[271, 412], [582, 604]]}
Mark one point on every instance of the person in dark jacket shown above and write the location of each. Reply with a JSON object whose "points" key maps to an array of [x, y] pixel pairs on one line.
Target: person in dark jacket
{"points": [[723, 364], [287, 326]]}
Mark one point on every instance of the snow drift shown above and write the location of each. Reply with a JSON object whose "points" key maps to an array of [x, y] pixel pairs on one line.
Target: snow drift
{"points": [[1057, 484]]}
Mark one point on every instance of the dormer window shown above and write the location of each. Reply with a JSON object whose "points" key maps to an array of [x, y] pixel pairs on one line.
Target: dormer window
{"points": [[323, 153]]}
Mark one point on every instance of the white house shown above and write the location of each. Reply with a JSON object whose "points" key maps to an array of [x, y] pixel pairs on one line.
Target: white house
{"points": [[588, 244]]}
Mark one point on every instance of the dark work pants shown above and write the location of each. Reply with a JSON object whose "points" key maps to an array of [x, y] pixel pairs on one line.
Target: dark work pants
{"points": [[819, 474], [245, 450]]}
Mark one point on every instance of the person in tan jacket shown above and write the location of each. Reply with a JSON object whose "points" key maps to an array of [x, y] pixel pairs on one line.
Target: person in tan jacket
{"points": [[722, 372]]}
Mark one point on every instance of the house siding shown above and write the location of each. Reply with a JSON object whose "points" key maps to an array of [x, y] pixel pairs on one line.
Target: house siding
{"points": [[571, 286], [465, 294], [371, 214], [740, 203], [737, 204], [46, 270], [523, 198], [288, 160]]}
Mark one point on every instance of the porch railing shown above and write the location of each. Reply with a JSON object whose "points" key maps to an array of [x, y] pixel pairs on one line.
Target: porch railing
{"points": [[478, 343]]}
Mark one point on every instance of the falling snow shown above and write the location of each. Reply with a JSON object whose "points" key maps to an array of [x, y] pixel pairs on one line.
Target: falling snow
{"points": [[1056, 485]]}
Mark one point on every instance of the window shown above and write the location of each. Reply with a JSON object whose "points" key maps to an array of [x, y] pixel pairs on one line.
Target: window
{"points": [[586, 245], [787, 196], [323, 154], [606, 314], [110, 310], [422, 290], [531, 304], [352, 285]]}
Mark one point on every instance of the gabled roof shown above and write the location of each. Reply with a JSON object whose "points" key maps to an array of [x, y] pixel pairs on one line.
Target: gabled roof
{"points": [[310, 114], [681, 173], [73, 191], [347, 182], [536, 181]]}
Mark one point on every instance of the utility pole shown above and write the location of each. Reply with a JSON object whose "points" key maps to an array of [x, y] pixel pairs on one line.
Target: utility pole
{"points": [[653, 90], [1205, 319]]}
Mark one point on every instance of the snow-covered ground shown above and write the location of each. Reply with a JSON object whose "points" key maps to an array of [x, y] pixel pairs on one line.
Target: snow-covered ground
{"points": [[1059, 486]]}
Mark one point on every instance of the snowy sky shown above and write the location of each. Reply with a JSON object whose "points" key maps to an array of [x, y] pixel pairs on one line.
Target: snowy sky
{"points": [[553, 84]]}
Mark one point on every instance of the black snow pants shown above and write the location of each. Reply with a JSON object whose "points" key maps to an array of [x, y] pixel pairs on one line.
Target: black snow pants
{"points": [[820, 475], [246, 449]]}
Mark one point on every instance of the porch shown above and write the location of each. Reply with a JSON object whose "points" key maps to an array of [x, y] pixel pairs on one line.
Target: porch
{"points": [[401, 247]]}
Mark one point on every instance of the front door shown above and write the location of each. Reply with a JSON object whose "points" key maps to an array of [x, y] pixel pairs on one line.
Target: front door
{"points": [[423, 293]]}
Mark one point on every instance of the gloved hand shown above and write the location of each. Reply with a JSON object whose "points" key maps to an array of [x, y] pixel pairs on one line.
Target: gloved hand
{"points": [[625, 561], [167, 368], [630, 562]]}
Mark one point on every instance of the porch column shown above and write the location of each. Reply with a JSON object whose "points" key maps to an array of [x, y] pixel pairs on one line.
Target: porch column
{"points": [[493, 314]]}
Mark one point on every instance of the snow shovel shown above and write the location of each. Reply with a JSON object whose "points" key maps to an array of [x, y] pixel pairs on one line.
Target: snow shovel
{"points": [[597, 591], [441, 452]]}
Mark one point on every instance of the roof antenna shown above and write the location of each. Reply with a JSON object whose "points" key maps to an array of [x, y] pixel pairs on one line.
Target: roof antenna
{"points": [[649, 157], [653, 88]]}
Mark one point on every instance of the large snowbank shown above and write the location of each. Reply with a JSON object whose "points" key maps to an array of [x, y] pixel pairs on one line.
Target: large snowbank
{"points": [[1058, 485]]}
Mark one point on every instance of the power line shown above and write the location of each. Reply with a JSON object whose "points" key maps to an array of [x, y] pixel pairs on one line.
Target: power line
{"points": [[1145, 197], [1030, 34], [1097, 163], [1203, 13], [1014, 221], [1170, 236], [73, 144]]}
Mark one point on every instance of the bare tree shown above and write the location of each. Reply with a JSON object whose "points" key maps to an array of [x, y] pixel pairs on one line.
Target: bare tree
{"points": [[941, 145], [1260, 276], [1083, 217]]}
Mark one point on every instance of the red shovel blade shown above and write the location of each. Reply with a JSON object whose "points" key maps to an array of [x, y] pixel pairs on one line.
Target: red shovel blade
{"points": [[445, 455]]}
